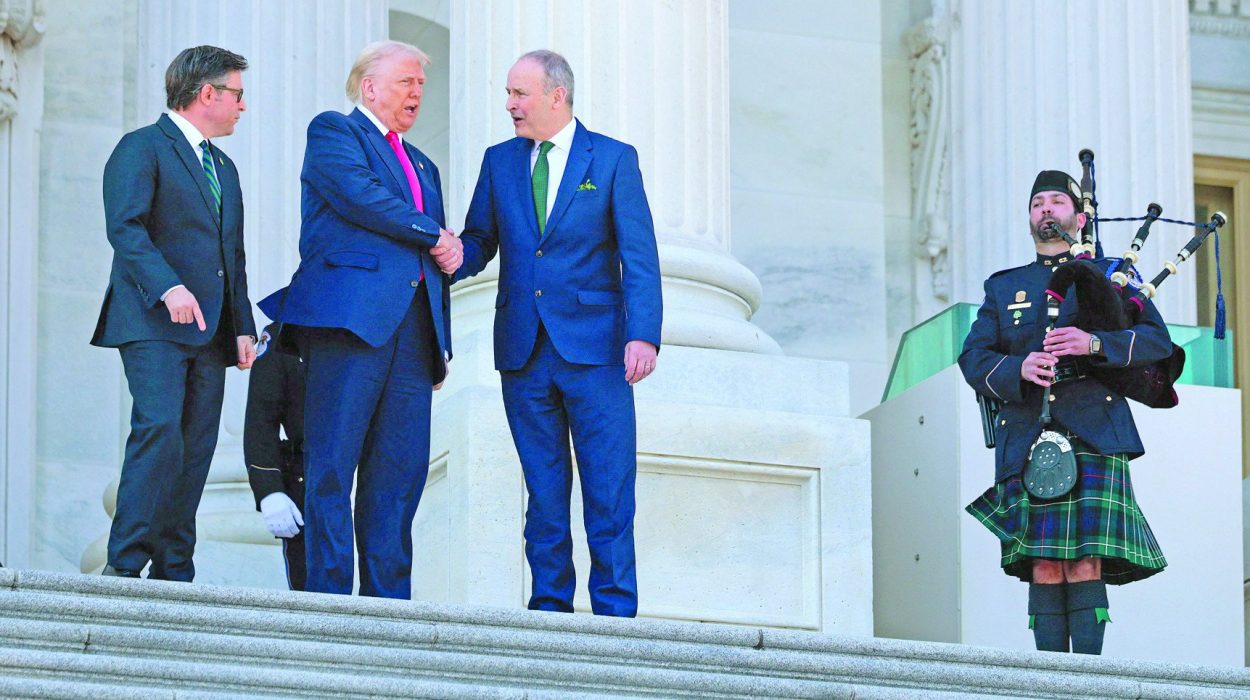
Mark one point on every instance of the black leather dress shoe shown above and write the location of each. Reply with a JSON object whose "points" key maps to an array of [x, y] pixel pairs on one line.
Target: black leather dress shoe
{"points": [[124, 573]]}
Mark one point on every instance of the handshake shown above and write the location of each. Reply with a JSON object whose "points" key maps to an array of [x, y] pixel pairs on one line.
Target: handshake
{"points": [[449, 253]]}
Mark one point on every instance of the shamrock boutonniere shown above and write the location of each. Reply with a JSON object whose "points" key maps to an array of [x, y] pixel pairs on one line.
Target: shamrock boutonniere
{"points": [[587, 185]]}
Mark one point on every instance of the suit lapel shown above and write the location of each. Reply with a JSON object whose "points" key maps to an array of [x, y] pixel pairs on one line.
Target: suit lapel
{"points": [[383, 148], [522, 192], [429, 193], [187, 155], [574, 170]]}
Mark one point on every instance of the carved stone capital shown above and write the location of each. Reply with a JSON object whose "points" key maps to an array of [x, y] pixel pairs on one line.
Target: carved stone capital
{"points": [[22, 24]]}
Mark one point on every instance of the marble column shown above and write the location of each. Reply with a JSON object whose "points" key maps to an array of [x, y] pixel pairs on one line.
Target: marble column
{"points": [[299, 55], [1003, 90], [655, 76], [21, 115]]}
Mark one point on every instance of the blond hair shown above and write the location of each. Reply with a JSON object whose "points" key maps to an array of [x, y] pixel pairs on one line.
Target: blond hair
{"points": [[373, 54]]}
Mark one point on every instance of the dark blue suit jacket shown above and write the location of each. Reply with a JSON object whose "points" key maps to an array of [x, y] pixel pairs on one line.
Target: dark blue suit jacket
{"points": [[592, 277], [1000, 340], [363, 245], [165, 230]]}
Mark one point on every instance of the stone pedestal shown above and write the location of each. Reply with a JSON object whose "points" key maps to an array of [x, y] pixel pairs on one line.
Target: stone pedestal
{"points": [[753, 494]]}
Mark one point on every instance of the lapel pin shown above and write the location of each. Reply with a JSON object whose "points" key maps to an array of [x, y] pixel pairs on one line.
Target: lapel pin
{"points": [[1020, 296]]}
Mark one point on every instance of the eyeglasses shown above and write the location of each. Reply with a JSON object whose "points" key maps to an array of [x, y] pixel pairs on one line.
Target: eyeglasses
{"points": [[238, 92]]}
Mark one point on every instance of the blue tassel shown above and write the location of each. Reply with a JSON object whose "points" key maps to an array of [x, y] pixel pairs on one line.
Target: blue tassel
{"points": [[1220, 316]]}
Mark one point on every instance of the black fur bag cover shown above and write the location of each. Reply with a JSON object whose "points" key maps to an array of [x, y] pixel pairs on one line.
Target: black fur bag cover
{"points": [[1103, 307]]}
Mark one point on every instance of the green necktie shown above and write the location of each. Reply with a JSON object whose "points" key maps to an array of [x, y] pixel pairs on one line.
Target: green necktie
{"points": [[206, 159], [539, 185]]}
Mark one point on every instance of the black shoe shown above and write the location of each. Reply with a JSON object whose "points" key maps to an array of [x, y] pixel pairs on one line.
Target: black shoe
{"points": [[109, 570]]}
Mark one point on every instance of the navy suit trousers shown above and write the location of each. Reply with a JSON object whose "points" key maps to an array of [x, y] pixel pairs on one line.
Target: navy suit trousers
{"points": [[366, 406], [177, 391], [547, 400]]}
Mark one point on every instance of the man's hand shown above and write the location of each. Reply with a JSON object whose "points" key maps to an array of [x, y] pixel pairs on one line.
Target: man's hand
{"points": [[449, 253], [1068, 340], [183, 308], [446, 371], [247, 351], [282, 516], [1039, 368], [639, 360]]}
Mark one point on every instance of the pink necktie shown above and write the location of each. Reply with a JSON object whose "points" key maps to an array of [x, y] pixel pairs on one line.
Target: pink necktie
{"points": [[393, 139], [413, 184]]}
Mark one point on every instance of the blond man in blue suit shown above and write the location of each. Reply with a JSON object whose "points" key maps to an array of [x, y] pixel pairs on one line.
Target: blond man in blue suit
{"points": [[369, 306]]}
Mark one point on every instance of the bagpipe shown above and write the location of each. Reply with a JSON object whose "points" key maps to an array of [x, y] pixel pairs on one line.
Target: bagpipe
{"points": [[1111, 296]]}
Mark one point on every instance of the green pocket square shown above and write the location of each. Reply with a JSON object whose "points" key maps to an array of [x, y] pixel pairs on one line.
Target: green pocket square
{"points": [[587, 185]]}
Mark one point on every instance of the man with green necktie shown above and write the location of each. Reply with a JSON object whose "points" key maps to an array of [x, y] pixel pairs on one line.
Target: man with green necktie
{"points": [[176, 306], [577, 324]]}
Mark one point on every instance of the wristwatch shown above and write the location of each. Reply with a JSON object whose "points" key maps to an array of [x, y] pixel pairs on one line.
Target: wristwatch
{"points": [[1095, 345]]}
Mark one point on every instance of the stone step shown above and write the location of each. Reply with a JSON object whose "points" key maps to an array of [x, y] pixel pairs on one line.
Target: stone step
{"points": [[84, 636]]}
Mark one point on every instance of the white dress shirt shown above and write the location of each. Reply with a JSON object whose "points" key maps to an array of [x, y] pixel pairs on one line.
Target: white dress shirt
{"points": [[194, 137], [376, 122], [557, 158]]}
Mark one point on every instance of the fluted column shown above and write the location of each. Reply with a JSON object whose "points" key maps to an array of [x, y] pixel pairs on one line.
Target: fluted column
{"points": [[1007, 89], [299, 55], [654, 76], [21, 114]]}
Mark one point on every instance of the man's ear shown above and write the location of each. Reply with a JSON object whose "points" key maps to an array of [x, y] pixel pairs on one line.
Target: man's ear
{"points": [[206, 94], [558, 94], [1081, 219]]}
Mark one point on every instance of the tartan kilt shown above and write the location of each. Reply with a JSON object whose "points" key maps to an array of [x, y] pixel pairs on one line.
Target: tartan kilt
{"points": [[1099, 517]]}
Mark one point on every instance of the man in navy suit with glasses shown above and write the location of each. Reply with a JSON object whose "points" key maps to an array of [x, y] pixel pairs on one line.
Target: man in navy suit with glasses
{"points": [[176, 306]]}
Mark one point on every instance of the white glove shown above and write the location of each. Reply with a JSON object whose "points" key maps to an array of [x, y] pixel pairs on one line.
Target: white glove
{"points": [[282, 517]]}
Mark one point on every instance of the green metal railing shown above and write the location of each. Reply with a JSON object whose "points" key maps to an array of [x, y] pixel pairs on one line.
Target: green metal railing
{"points": [[934, 345]]}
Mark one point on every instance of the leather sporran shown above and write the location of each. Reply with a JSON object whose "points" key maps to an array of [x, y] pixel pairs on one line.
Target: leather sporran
{"points": [[1051, 471]]}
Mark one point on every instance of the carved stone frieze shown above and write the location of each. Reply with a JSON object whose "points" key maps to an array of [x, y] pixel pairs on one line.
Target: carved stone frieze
{"points": [[930, 153], [22, 24], [1230, 18]]}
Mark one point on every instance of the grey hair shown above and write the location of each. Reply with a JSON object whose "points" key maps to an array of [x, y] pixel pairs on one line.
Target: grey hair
{"points": [[556, 72], [196, 67], [373, 54]]}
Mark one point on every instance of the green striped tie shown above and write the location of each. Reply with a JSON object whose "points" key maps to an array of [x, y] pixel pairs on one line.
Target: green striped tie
{"points": [[539, 185], [206, 159]]}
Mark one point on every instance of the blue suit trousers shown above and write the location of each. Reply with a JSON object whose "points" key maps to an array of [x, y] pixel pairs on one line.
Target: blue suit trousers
{"points": [[547, 400], [367, 413]]}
